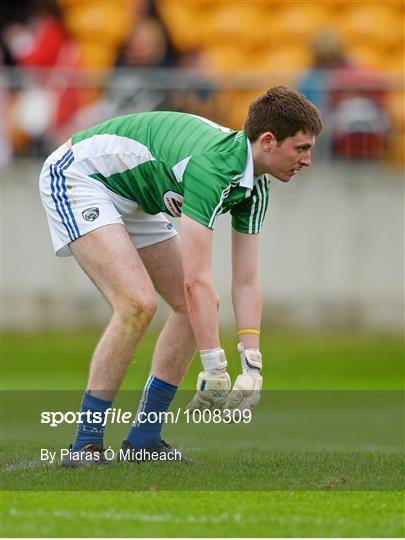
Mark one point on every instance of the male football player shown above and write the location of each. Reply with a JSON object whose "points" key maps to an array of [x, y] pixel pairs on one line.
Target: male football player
{"points": [[105, 193]]}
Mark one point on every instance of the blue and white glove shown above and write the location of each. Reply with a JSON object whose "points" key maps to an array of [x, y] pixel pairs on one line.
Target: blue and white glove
{"points": [[214, 383], [246, 391]]}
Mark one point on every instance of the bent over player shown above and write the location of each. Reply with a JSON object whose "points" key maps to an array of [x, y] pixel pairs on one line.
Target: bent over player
{"points": [[106, 191]]}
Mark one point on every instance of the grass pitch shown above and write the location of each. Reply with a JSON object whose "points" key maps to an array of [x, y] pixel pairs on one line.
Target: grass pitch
{"points": [[246, 514], [287, 474]]}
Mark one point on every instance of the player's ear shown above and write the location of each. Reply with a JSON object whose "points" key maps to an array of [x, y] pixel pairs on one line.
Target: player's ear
{"points": [[267, 140]]}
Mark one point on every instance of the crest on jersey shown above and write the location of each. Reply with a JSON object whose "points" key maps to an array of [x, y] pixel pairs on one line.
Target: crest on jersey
{"points": [[173, 202], [90, 214]]}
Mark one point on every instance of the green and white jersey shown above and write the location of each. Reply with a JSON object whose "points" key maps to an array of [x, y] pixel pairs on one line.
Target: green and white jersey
{"points": [[176, 163]]}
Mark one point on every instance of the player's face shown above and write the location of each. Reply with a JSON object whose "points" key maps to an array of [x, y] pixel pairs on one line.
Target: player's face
{"points": [[284, 159]]}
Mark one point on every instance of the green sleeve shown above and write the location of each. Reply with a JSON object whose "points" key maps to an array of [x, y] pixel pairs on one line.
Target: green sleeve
{"points": [[207, 182], [248, 215]]}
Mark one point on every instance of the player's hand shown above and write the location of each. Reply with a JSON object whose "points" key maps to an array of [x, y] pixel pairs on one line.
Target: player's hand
{"points": [[246, 391], [214, 383], [212, 391]]}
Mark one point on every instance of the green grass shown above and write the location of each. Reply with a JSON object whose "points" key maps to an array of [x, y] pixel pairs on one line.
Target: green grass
{"points": [[291, 361], [311, 462], [221, 471], [240, 514]]}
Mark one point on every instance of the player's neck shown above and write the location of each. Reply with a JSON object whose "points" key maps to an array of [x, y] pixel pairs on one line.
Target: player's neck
{"points": [[258, 165]]}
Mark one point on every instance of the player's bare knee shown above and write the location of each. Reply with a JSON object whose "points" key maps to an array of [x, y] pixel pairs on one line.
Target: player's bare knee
{"points": [[178, 305], [175, 297], [149, 308], [136, 312]]}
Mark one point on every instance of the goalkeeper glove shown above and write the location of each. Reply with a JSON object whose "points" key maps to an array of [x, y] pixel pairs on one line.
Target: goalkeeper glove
{"points": [[214, 383], [246, 391]]}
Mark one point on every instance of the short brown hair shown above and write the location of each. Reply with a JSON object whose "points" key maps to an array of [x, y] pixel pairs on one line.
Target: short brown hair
{"points": [[284, 112]]}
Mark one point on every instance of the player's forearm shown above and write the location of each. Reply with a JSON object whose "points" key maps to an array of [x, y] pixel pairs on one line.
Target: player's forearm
{"points": [[247, 305], [202, 303]]}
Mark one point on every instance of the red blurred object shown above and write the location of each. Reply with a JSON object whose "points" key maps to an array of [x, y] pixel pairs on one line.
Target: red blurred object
{"points": [[48, 39], [359, 145], [49, 46], [360, 125], [353, 80]]}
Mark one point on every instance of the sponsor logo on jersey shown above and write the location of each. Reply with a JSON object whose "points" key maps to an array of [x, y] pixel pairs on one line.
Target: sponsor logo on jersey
{"points": [[173, 202], [90, 214]]}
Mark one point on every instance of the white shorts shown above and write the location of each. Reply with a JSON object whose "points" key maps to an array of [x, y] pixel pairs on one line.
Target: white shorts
{"points": [[76, 204]]}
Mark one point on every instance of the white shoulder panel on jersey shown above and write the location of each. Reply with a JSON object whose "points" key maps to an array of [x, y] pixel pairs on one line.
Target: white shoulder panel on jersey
{"points": [[109, 154]]}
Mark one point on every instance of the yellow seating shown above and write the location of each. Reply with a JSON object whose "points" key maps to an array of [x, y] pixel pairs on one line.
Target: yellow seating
{"points": [[183, 23], [289, 58], [373, 25], [97, 57], [222, 58], [295, 23], [208, 23], [395, 62], [236, 24], [228, 58], [277, 34], [100, 27], [367, 56], [234, 106]]}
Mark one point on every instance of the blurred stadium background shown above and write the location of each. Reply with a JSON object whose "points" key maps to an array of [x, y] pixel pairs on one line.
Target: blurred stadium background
{"points": [[332, 248]]}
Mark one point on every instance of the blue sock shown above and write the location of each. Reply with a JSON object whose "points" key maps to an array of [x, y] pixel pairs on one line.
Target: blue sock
{"points": [[91, 432], [157, 396]]}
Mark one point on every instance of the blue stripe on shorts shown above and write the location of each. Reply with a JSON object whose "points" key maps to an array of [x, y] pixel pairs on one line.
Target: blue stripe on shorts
{"points": [[59, 194]]}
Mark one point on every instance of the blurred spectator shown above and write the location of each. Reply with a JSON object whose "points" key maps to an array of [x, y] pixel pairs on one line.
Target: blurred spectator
{"points": [[38, 42], [328, 55], [49, 57], [133, 88], [137, 87], [350, 97], [147, 47]]}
